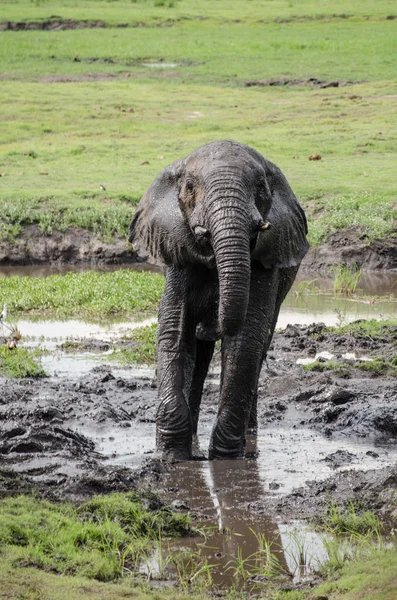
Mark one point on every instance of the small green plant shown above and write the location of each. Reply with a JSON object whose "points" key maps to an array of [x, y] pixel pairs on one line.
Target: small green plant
{"points": [[191, 569], [306, 287], [346, 279], [297, 549], [370, 328], [144, 350], [350, 520], [20, 362], [379, 366], [341, 369], [264, 562]]}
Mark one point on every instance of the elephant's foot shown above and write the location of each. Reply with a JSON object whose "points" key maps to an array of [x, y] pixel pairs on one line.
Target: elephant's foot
{"points": [[222, 454], [172, 446], [224, 446], [174, 431], [175, 455]]}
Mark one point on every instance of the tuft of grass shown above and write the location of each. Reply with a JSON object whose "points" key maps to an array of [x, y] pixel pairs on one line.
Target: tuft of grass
{"points": [[20, 362], [349, 520], [377, 367], [128, 511], [341, 369], [144, 338], [91, 294], [346, 279], [369, 328], [306, 287]]}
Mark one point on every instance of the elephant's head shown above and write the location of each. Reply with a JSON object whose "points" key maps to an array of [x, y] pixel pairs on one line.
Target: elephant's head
{"points": [[212, 208]]}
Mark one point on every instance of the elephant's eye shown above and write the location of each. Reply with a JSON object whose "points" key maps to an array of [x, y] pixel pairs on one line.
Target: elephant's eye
{"points": [[189, 187]]}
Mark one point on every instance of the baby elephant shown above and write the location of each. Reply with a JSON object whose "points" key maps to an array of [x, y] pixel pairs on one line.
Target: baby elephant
{"points": [[231, 234]]}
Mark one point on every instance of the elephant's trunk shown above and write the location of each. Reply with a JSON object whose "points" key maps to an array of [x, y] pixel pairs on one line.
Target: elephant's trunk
{"points": [[229, 227]]}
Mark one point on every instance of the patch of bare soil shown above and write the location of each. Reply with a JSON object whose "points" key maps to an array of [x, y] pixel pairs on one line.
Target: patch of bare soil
{"points": [[54, 23], [350, 246], [310, 82], [57, 23], [58, 435], [73, 246], [78, 78]]}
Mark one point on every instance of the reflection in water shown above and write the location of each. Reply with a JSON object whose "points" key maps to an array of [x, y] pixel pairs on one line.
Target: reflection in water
{"points": [[243, 544]]}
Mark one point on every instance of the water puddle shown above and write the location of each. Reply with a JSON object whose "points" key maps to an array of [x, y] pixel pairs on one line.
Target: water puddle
{"points": [[299, 307], [57, 331], [160, 65]]}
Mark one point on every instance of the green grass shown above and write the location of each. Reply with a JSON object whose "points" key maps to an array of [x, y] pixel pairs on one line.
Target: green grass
{"points": [[371, 328], [103, 539], [351, 521], [104, 220], [93, 121], [377, 367], [90, 294], [20, 362], [144, 350], [372, 576]]}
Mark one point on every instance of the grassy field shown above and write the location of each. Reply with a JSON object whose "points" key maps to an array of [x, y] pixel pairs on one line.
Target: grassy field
{"points": [[111, 106]]}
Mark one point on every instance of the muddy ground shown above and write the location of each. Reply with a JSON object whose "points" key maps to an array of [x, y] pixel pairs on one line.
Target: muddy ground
{"points": [[77, 246], [69, 438]]}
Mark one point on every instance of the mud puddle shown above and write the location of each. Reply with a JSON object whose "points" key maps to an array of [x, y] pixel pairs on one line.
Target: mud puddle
{"points": [[226, 498]]}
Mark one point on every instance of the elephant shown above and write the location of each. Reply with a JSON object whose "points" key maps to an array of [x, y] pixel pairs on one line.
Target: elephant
{"points": [[230, 233]]}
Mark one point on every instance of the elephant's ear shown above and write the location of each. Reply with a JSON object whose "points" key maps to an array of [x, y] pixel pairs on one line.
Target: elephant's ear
{"points": [[284, 244], [159, 229]]}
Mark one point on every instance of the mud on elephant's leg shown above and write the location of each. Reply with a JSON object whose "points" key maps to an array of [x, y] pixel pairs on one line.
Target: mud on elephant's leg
{"points": [[176, 347]]}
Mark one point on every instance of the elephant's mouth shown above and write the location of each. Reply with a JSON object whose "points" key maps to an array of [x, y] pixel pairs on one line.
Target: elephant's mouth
{"points": [[205, 256], [202, 247]]}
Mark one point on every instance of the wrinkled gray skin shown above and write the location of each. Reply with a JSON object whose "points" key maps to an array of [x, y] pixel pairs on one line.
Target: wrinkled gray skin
{"points": [[226, 277]]}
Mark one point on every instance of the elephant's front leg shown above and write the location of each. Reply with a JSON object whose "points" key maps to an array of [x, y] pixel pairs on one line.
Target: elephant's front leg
{"points": [[175, 365], [242, 357]]}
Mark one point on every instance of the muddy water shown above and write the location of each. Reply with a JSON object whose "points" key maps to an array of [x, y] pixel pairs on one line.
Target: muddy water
{"points": [[227, 496]]}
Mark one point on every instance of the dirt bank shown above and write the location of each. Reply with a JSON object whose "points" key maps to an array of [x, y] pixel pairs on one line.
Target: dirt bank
{"points": [[351, 246], [72, 437], [79, 246], [75, 246]]}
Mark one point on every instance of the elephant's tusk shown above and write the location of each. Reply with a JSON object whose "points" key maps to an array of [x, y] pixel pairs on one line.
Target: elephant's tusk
{"points": [[264, 226]]}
